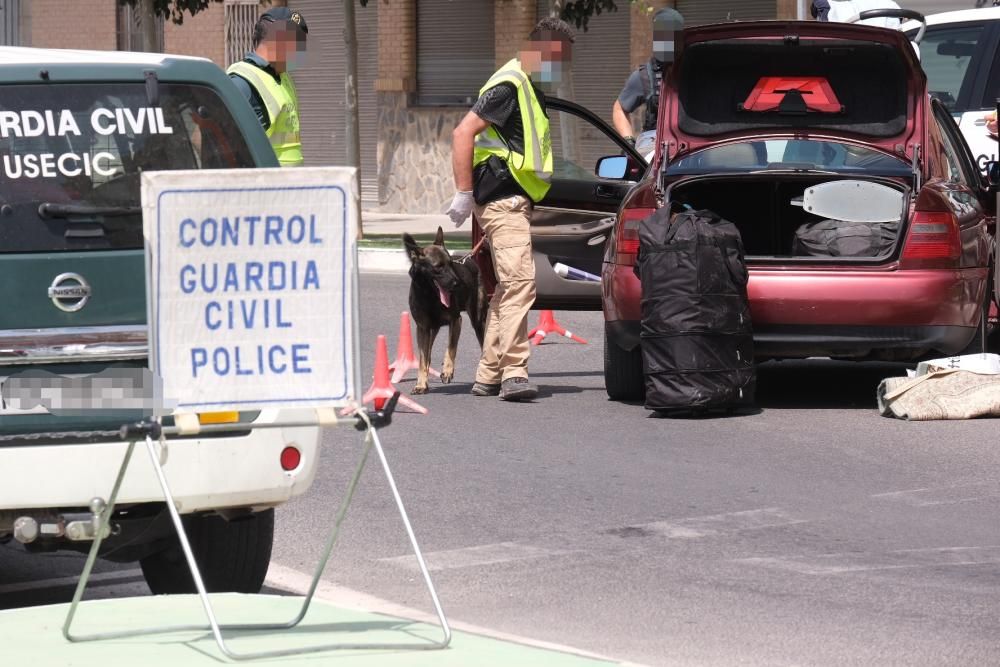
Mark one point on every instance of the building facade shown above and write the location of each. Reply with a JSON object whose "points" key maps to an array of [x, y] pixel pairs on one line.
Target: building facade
{"points": [[420, 66]]}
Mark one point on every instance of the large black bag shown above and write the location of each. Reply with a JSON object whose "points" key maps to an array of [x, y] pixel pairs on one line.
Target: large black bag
{"points": [[837, 238], [696, 334]]}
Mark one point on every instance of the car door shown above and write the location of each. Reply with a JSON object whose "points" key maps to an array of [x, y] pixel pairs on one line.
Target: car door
{"points": [[963, 190], [572, 223], [961, 63]]}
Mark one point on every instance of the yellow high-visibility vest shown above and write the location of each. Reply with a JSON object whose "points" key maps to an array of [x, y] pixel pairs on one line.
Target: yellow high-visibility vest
{"points": [[282, 104], [532, 169]]}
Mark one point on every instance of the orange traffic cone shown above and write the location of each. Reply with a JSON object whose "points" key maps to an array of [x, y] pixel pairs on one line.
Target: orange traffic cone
{"points": [[382, 389], [547, 325], [405, 359]]}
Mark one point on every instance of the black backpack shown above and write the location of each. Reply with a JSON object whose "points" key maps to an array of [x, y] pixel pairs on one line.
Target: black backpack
{"points": [[696, 335]]}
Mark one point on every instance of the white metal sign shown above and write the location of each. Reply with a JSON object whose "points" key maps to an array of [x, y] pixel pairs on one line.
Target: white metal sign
{"points": [[252, 287]]}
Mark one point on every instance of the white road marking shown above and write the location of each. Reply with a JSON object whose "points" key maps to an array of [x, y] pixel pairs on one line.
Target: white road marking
{"points": [[944, 495], [293, 581], [484, 554], [718, 524], [41, 584], [846, 563]]}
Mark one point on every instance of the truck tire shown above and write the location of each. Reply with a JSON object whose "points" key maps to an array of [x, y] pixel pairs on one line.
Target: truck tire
{"points": [[233, 556], [623, 377]]}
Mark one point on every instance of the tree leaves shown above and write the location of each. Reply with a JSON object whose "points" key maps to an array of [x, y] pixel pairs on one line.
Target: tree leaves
{"points": [[580, 11]]}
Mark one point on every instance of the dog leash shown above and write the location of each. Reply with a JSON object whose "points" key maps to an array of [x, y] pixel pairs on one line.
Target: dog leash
{"points": [[475, 249]]}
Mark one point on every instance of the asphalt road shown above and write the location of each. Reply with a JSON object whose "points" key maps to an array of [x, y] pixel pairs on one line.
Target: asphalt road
{"points": [[814, 532]]}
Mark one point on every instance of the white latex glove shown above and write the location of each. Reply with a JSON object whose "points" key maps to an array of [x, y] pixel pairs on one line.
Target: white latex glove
{"points": [[461, 207]]}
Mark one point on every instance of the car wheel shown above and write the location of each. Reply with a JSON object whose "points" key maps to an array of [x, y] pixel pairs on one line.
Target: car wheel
{"points": [[623, 377], [232, 555]]}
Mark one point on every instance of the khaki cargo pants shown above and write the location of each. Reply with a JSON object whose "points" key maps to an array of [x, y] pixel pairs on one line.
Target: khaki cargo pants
{"points": [[505, 346]]}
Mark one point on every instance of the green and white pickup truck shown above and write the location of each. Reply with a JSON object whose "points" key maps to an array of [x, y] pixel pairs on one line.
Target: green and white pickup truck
{"points": [[76, 130]]}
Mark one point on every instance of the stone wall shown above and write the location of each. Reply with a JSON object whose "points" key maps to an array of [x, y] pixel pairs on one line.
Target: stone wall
{"points": [[414, 156]]}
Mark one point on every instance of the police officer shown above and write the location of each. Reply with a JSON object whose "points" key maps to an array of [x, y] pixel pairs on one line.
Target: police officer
{"points": [[502, 163], [643, 86], [279, 42]]}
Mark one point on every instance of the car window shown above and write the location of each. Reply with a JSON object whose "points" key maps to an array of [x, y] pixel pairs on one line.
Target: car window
{"points": [[780, 154], [87, 144], [946, 54], [577, 146], [958, 169], [992, 91]]}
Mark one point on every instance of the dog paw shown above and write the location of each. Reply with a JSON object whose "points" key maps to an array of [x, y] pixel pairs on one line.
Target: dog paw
{"points": [[419, 390], [447, 377]]}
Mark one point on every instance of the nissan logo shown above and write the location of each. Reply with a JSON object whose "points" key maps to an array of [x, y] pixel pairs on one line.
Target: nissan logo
{"points": [[69, 292]]}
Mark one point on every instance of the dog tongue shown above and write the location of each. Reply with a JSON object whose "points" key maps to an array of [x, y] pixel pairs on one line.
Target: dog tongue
{"points": [[445, 297]]}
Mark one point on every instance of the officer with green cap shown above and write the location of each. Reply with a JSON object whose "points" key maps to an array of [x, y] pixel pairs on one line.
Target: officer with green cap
{"points": [[263, 76]]}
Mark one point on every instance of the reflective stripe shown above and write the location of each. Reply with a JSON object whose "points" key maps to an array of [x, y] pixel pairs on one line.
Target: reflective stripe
{"points": [[536, 149], [486, 142], [256, 77], [283, 138], [281, 101]]}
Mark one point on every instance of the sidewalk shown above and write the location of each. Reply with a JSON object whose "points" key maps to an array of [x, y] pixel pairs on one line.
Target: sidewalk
{"points": [[389, 226], [33, 636]]}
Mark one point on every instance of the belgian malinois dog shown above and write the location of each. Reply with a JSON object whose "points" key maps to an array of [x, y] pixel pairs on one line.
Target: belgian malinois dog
{"points": [[440, 289]]}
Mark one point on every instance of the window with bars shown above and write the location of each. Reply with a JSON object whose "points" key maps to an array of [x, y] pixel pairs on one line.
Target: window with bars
{"points": [[241, 17], [130, 30]]}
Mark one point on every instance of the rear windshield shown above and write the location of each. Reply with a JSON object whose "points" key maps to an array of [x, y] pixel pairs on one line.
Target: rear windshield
{"points": [[791, 155], [71, 156], [866, 83]]}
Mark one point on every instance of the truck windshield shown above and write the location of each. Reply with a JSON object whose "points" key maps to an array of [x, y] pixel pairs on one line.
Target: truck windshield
{"points": [[71, 156]]}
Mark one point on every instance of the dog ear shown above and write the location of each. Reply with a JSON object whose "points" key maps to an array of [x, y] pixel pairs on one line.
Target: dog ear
{"points": [[439, 239], [413, 251]]}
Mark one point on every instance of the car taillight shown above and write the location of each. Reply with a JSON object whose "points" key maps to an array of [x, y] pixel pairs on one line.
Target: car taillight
{"points": [[627, 241], [932, 242]]}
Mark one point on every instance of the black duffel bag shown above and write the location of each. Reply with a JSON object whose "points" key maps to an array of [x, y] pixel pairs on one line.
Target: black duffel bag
{"points": [[837, 238], [696, 334]]}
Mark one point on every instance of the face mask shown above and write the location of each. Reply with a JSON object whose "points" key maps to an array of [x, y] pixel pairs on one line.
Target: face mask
{"points": [[663, 51], [296, 58], [550, 72]]}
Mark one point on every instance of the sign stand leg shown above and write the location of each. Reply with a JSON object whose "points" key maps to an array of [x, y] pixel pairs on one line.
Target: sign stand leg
{"points": [[103, 517]]}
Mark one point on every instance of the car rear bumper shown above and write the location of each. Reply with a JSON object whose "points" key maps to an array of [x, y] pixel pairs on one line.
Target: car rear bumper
{"points": [[842, 342], [204, 474], [842, 313]]}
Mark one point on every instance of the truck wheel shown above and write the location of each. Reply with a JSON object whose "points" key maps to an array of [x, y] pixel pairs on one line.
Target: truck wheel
{"points": [[233, 556], [623, 377]]}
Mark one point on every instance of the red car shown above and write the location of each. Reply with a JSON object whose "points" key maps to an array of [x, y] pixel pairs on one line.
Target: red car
{"points": [[755, 115]]}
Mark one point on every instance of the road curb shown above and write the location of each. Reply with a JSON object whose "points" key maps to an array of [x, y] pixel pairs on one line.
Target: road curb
{"points": [[382, 260], [389, 260]]}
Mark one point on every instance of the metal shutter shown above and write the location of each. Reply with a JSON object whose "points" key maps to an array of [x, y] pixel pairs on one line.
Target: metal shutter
{"points": [[454, 51], [320, 86], [700, 12], [10, 22], [600, 67]]}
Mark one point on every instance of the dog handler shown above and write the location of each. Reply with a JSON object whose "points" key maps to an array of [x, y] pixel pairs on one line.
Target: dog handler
{"points": [[502, 162]]}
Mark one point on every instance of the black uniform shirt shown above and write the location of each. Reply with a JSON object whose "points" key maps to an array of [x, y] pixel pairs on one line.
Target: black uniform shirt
{"points": [[498, 106]]}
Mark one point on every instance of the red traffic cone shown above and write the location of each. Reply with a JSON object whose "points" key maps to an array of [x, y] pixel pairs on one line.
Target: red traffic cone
{"points": [[547, 325], [405, 359], [382, 389]]}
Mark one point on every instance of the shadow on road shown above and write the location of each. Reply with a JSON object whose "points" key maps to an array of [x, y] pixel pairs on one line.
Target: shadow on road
{"points": [[820, 384]]}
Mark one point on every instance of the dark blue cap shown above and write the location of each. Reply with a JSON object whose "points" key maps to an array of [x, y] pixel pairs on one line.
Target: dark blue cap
{"points": [[285, 14]]}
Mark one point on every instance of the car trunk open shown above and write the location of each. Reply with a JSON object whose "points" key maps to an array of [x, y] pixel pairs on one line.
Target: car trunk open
{"points": [[821, 78], [767, 211]]}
